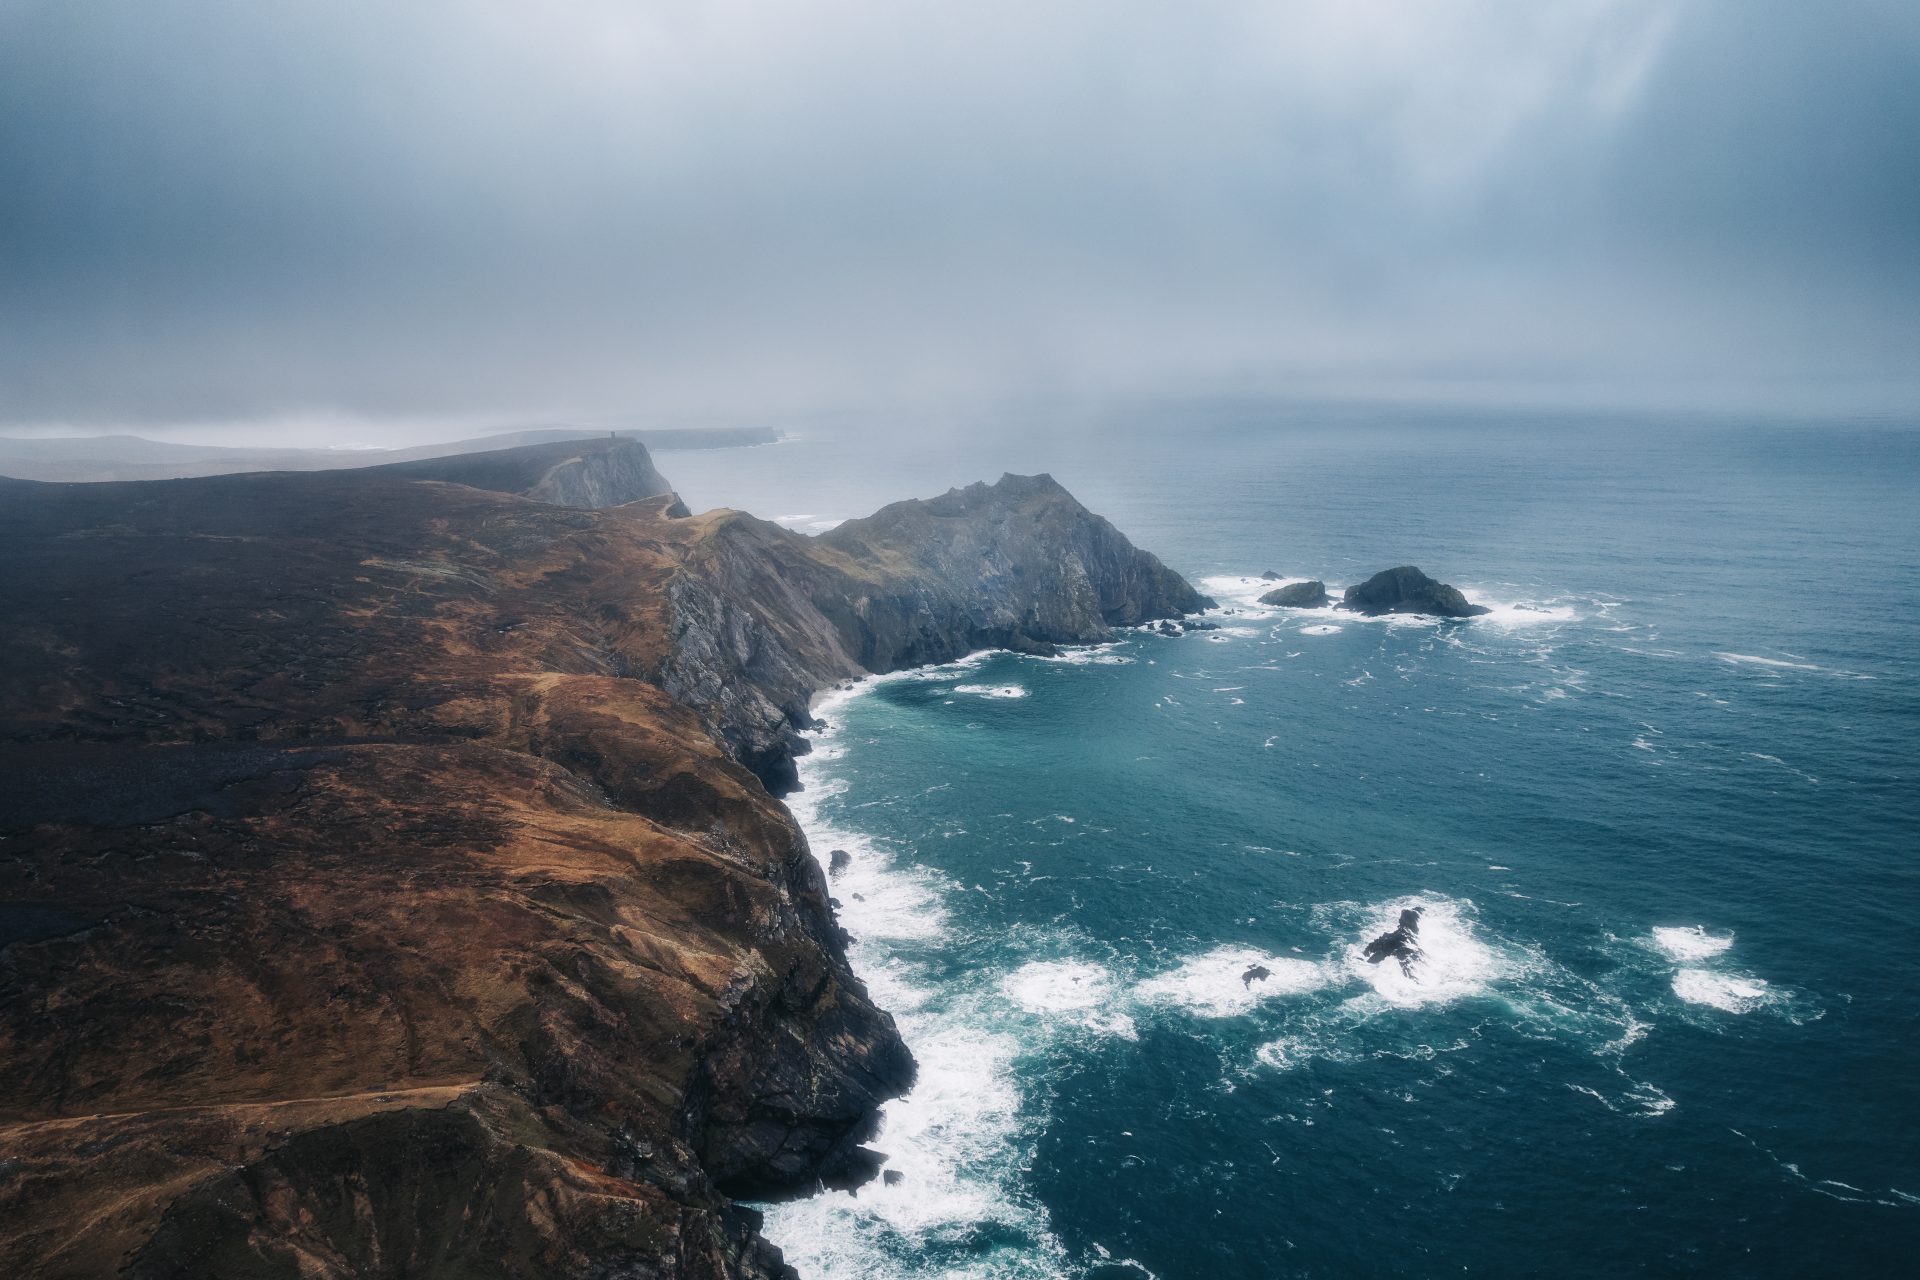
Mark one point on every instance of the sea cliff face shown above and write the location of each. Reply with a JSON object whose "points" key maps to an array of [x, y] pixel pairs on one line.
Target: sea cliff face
{"points": [[386, 887], [763, 617]]}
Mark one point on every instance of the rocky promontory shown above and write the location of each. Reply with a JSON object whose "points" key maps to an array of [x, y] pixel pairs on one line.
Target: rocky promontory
{"points": [[569, 473], [1407, 590], [389, 879]]}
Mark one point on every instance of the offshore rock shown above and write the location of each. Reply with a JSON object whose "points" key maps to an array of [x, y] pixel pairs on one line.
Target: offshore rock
{"points": [[1401, 942], [1407, 590], [1298, 595]]}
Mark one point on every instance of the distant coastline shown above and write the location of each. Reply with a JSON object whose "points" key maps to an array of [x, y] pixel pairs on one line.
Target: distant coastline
{"points": [[94, 459]]}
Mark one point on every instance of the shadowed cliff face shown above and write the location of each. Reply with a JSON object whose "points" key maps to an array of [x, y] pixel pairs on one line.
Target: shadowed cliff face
{"points": [[382, 891]]}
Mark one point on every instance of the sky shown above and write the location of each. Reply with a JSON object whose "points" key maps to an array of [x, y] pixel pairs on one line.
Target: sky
{"points": [[222, 213]]}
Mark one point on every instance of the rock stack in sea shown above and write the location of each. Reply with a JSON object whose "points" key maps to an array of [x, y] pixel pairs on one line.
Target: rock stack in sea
{"points": [[1298, 595], [1407, 590]]}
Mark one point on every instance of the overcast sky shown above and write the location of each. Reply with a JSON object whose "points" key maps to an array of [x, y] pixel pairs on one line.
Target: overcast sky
{"points": [[497, 210]]}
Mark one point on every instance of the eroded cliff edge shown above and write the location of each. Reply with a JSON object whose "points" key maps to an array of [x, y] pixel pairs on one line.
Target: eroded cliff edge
{"points": [[386, 887]]}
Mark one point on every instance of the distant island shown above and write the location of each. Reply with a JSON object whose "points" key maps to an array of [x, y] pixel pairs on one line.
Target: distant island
{"points": [[396, 879]]}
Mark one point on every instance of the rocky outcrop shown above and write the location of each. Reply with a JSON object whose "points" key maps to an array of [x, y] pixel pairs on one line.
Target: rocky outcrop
{"points": [[763, 617], [1298, 595], [1407, 590], [387, 888], [1401, 942], [1017, 565]]}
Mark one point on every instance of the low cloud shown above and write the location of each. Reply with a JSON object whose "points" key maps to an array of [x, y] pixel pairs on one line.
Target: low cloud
{"points": [[217, 210]]}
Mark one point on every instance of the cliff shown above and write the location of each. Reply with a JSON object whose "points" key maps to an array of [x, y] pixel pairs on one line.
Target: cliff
{"points": [[569, 473], [382, 890], [763, 617]]}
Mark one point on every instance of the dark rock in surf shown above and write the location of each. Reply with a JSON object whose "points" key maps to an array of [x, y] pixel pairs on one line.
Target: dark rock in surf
{"points": [[893, 1177], [1255, 973], [1407, 590], [1298, 595], [1269, 576], [839, 860], [1398, 942]]}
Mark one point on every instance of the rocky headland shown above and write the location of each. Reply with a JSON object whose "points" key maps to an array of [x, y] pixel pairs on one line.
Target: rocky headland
{"points": [[392, 879], [1407, 590]]}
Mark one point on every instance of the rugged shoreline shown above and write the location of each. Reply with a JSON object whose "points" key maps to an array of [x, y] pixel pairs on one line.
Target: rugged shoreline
{"points": [[382, 884]]}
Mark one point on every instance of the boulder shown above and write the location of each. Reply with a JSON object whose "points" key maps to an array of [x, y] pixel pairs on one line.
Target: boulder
{"points": [[1298, 595], [838, 861], [1407, 590]]}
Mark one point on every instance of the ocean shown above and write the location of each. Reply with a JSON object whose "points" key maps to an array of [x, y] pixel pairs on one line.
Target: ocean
{"points": [[1658, 809]]}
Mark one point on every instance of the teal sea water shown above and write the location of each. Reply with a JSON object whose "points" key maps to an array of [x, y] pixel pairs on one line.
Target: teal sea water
{"points": [[1659, 808]]}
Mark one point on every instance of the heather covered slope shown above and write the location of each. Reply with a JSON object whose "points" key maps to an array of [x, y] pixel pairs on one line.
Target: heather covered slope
{"points": [[383, 890]]}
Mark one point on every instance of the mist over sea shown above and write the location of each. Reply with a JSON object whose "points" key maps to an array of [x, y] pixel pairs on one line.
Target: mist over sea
{"points": [[1659, 808]]}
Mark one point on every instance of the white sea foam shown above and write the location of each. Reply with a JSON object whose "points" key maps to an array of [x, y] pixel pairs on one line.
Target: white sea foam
{"points": [[992, 690], [1099, 655], [1320, 629], [1800, 773], [1453, 963], [1070, 991], [965, 1133], [1640, 1098], [1291, 1051], [1525, 613], [1685, 944], [1755, 660], [950, 1139], [1731, 992], [1213, 985], [1055, 986], [1242, 592]]}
